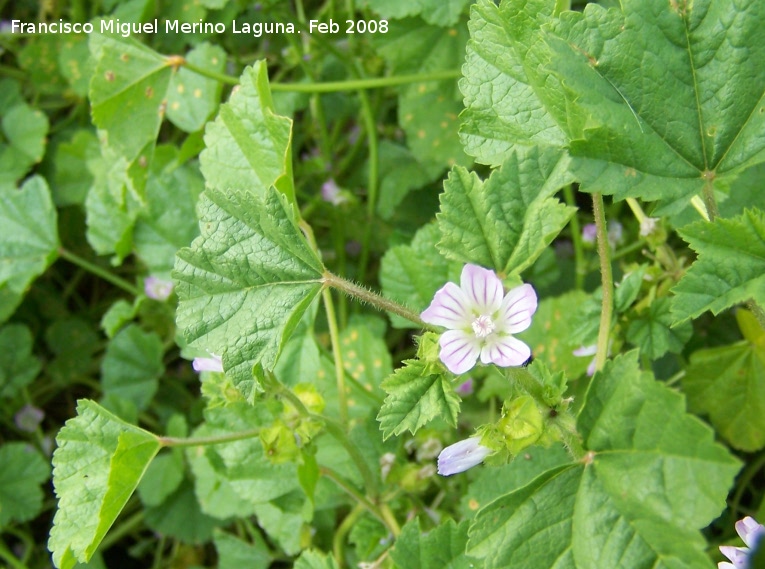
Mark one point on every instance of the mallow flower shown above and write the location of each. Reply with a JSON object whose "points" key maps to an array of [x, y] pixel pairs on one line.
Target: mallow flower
{"points": [[157, 288], [461, 456], [749, 531], [481, 320], [212, 363]]}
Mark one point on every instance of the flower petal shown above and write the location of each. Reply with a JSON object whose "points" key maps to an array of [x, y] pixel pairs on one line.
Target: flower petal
{"points": [[450, 308], [461, 456], [459, 350], [504, 351], [749, 530], [208, 364], [516, 309], [482, 288], [737, 555]]}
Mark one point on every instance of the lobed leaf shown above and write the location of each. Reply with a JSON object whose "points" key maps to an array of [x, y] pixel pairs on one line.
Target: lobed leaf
{"points": [[653, 476], [248, 146], [727, 383], [18, 366], [506, 222], [246, 281], [416, 396], [128, 92], [24, 470], [730, 267], [641, 96], [98, 463], [28, 240], [441, 548]]}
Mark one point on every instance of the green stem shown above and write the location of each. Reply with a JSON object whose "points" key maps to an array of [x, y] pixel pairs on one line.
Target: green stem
{"points": [[372, 298], [363, 84], [98, 271], [336, 431], [222, 77], [212, 440], [120, 531], [390, 519], [709, 200], [757, 311], [338, 541], [10, 558], [607, 280], [576, 238], [337, 353], [333, 86], [372, 180]]}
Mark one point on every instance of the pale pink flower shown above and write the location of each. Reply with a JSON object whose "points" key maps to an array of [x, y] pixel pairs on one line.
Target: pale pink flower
{"points": [[749, 531], [157, 288], [481, 320], [212, 363], [461, 456]]}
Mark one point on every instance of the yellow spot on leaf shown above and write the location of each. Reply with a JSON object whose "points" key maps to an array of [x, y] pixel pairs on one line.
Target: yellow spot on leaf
{"points": [[420, 134], [109, 75], [149, 92], [175, 105], [197, 93], [452, 32], [181, 88], [422, 88], [125, 57], [354, 335], [473, 504]]}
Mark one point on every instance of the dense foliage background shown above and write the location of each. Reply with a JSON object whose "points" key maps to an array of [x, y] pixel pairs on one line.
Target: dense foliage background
{"points": [[238, 197]]}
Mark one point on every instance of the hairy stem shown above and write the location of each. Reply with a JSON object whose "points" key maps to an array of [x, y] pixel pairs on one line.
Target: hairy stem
{"points": [[204, 441], [372, 298], [607, 280]]}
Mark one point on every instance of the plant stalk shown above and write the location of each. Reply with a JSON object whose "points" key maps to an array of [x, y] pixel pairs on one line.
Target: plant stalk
{"points": [[607, 280]]}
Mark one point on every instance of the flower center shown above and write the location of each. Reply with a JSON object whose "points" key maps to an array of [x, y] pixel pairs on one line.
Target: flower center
{"points": [[483, 326]]}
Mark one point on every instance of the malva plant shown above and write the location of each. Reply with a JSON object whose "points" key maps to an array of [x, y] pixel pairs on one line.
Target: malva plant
{"points": [[324, 300]]}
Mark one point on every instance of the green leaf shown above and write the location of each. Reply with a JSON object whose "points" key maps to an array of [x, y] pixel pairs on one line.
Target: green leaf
{"points": [[730, 267], [162, 478], [75, 64], [411, 274], [551, 334], [497, 481], [98, 463], [365, 355], [132, 366], [25, 130], [506, 222], [169, 220], [21, 497], [128, 92], [248, 144], [416, 396], [112, 205], [232, 479], [192, 97], [400, 173], [642, 97], [440, 548], [71, 177], [180, 517], [428, 111], [728, 385], [652, 334], [246, 281], [28, 242], [233, 553], [118, 315], [312, 559], [282, 520], [653, 476], [18, 367], [436, 12]]}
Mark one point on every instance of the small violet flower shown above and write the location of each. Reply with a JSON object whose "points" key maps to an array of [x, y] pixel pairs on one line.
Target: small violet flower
{"points": [[330, 192], [465, 388], [461, 456], [751, 532], [28, 418], [589, 233], [481, 320], [157, 288], [212, 363]]}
